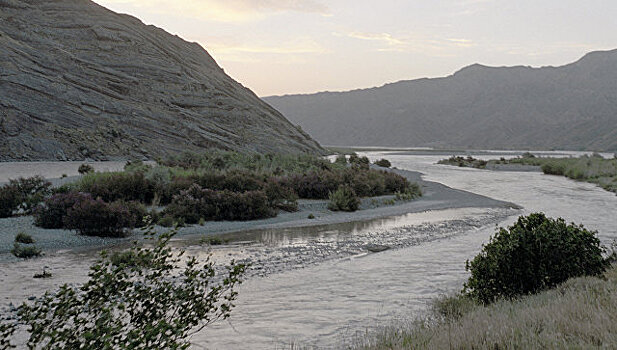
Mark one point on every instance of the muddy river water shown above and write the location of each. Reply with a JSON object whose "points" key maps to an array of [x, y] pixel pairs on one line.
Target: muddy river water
{"points": [[328, 305], [319, 289]]}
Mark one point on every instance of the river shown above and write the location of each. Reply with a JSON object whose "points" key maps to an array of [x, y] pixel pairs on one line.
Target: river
{"points": [[329, 305]]}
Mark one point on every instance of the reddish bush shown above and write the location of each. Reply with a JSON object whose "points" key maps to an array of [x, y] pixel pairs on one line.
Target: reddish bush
{"points": [[51, 213], [97, 218]]}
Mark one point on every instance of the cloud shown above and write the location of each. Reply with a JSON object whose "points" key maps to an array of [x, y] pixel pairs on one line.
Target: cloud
{"points": [[225, 10], [233, 50], [410, 43]]}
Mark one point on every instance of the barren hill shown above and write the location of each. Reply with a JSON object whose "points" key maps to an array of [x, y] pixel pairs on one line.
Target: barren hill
{"points": [[569, 107], [79, 81]]}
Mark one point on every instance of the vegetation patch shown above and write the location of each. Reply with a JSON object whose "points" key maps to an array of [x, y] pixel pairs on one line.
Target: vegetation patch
{"points": [[468, 162], [344, 199], [534, 254], [25, 251], [24, 238], [151, 297]]}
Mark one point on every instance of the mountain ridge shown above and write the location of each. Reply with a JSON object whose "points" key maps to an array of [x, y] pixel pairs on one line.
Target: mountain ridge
{"points": [[80, 81], [573, 106]]}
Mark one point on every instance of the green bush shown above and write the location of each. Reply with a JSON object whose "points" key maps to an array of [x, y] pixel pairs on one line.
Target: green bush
{"points": [[197, 203], [24, 238], [535, 253], [281, 195], [113, 186], [25, 251], [153, 297], [383, 163], [85, 169], [344, 199], [29, 193], [9, 201], [412, 192], [341, 159]]}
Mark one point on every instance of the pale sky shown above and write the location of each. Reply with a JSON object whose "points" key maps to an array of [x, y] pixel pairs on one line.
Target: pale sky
{"points": [[303, 46]]}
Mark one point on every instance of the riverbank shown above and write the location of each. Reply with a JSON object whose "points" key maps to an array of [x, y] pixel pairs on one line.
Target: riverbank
{"points": [[435, 197], [579, 314]]}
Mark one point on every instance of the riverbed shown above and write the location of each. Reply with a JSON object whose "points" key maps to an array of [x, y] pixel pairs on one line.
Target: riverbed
{"points": [[319, 287]]}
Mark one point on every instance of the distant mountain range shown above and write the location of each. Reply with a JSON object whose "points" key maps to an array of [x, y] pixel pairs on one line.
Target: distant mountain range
{"points": [[79, 81], [570, 107]]}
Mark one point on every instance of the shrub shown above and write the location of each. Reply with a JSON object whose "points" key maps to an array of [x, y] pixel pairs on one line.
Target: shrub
{"points": [[535, 253], [97, 218], [117, 186], [341, 159], [344, 199], [311, 216], [281, 195], [554, 168], [383, 163], [315, 184], [25, 251], [137, 211], [30, 191], [52, 212], [157, 305], [9, 201], [24, 238], [394, 182], [196, 203], [412, 192], [85, 169]]}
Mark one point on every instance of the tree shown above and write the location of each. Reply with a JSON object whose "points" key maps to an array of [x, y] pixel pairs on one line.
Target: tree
{"points": [[535, 253], [149, 298]]}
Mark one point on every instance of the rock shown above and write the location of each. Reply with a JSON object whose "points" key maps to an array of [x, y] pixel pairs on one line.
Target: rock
{"points": [[81, 81], [376, 248]]}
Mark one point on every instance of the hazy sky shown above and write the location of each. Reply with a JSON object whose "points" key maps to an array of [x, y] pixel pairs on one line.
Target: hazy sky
{"points": [[301, 46]]}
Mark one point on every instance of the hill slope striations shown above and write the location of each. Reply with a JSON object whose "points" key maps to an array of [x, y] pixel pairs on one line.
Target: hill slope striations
{"points": [[79, 81], [568, 107]]}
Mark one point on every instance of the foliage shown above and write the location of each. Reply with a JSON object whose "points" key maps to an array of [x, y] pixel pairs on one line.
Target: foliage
{"points": [[593, 169], [196, 203], [9, 201], [24, 238], [383, 163], [310, 216], [25, 251], [113, 186], [157, 305], [275, 163], [340, 159], [535, 253], [281, 195], [468, 161], [85, 169], [52, 212], [94, 217], [412, 192], [23, 194], [344, 199]]}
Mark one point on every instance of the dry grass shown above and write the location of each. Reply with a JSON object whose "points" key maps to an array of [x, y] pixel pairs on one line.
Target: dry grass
{"points": [[579, 314]]}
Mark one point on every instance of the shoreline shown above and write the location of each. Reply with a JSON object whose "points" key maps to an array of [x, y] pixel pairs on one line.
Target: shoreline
{"points": [[436, 196]]}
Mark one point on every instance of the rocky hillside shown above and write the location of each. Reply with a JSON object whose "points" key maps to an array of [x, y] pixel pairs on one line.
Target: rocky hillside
{"points": [[569, 107], [79, 81]]}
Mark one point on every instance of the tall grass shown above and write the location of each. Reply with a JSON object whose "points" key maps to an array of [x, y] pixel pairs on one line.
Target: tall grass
{"points": [[579, 314]]}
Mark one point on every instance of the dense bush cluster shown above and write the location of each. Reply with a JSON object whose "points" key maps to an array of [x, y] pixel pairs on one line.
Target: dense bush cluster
{"points": [[198, 203], [22, 195], [383, 163], [98, 218], [80, 211], [196, 188], [535, 253]]}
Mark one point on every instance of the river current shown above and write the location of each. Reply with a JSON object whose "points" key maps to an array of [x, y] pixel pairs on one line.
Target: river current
{"points": [[331, 304]]}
